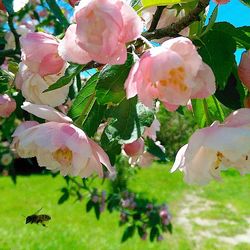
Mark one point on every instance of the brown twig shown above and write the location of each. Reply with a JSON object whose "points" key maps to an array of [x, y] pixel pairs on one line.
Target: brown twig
{"points": [[174, 29], [156, 18]]}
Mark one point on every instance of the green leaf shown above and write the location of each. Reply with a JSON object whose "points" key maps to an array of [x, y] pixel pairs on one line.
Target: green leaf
{"points": [[110, 86], [246, 2], [89, 205], [212, 20], [9, 6], [155, 150], [206, 111], [64, 197], [70, 73], [154, 233], [83, 97], [241, 34], [232, 96], [218, 55], [94, 119], [97, 210], [128, 233], [148, 3]]}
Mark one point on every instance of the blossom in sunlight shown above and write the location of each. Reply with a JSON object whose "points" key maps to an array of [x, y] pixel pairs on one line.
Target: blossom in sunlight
{"points": [[19, 4], [244, 69], [7, 105], [216, 148], [40, 53], [58, 145], [102, 29], [33, 86], [151, 131], [173, 73]]}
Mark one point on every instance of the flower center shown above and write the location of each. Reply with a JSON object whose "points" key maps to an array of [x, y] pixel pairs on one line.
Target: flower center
{"points": [[63, 156], [175, 78], [218, 160]]}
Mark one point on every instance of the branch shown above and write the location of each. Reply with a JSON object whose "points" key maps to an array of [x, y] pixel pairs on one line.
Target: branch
{"points": [[156, 18], [14, 32], [174, 29]]}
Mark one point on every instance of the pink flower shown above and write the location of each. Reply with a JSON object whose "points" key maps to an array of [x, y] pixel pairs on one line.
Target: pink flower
{"points": [[73, 2], [244, 69], [151, 131], [102, 29], [7, 105], [33, 86], [59, 145], [172, 73], [135, 148], [215, 148], [219, 2], [40, 53]]}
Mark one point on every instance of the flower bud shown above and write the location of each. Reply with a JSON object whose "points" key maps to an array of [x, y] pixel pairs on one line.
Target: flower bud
{"points": [[7, 105], [244, 69]]}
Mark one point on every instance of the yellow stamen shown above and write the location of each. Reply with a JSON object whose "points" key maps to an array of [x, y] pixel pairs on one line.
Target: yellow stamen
{"points": [[63, 156]]}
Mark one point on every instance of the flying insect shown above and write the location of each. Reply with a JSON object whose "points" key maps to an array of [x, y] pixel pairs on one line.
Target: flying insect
{"points": [[38, 218]]}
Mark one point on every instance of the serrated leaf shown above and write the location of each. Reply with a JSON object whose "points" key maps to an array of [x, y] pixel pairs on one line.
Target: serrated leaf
{"points": [[155, 150], [241, 34], [128, 233], [211, 21], [110, 85], [70, 73], [206, 111], [83, 97], [218, 55]]}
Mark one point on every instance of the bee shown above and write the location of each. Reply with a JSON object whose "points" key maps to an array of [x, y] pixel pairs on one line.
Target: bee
{"points": [[38, 218]]}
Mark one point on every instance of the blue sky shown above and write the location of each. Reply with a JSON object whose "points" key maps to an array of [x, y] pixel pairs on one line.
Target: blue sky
{"points": [[235, 13]]}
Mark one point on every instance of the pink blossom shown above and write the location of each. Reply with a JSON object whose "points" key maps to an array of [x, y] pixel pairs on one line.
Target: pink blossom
{"points": [[40, 53], [7, 105], [73, 2], [60, 146], [151, 131], [216, 148], [244, 69], [172, 73], [219, 2], [102, 29], [135, 148], [33, 86]]}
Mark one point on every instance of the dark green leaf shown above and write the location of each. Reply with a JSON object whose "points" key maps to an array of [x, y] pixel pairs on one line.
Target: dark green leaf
{"points": [[83, 97], [97, 210], [241, 35], [141, 231], [211, 21], [155, 150], [154, 233], [9, 6], [246, 2], [70, 73], [233, 94], [170, 228], [217, 50], [128, 233], [64, 197], [89, 205], [110, 86]]}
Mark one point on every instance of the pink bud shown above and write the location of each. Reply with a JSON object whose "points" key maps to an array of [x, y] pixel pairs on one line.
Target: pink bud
{"points": [[2, 6], [219, 2], [73, 2], [244, 69], [7, 105], [134, 148]]}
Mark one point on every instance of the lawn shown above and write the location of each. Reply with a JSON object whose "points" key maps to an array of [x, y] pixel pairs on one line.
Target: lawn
{"points": [[216, 216]]}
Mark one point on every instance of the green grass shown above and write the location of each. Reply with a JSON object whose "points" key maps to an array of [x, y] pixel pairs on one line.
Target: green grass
{"points": [[72, 228]]}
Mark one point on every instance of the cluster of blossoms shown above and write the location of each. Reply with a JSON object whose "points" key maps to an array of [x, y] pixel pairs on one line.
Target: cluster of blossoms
{"points": [[173, 73]]}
